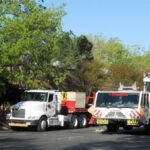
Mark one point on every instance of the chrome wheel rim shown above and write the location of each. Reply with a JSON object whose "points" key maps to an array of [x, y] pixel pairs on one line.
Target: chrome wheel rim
{"points": [[43, 125]]}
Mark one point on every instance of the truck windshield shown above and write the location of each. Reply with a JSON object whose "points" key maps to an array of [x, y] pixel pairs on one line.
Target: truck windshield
{"points": [[118, 100], [28, 96]]}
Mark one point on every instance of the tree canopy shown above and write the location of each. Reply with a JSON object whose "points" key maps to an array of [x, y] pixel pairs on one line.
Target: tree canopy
{"points": [[28, 36], [34, 47], [35, 51]]}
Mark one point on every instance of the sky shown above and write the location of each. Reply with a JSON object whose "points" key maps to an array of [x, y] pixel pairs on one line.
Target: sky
{"points": [[128, 20]]}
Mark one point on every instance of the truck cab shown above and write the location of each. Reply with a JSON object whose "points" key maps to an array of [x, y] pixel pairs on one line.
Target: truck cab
{"points": [[125, 108], [45, 108], [35, 109]]}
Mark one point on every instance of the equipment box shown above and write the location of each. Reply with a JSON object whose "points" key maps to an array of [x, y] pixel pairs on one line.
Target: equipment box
{"points": [[78, 97]]}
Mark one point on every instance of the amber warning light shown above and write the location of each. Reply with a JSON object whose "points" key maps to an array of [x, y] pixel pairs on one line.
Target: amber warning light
{"points": [[118, 94]]}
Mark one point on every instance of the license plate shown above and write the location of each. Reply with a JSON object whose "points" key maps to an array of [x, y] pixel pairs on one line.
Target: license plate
{"points": [[102, 121], [132, 122]]}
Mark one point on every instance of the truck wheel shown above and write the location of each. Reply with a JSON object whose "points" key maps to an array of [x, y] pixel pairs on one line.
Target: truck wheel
{"points": [[127, 127], [147, 128], [82, 121], [15, 128], [74, 122], [112, 127], [42, 124]]}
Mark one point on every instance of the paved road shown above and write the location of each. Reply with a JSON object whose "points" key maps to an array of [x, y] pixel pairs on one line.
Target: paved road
{"points": [[78, 139]]}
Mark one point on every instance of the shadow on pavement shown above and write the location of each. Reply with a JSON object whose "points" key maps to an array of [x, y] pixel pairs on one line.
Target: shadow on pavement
{"points": [[122, 140], [120, 144], [17, 144], [135, 131]]}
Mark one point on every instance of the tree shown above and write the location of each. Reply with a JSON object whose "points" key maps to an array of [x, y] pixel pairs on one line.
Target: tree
{"points": [[28, 36], [84, 48], [90, 77], [65, 49], [98, 42], [115, 52], [110, 51], [124, 73]]}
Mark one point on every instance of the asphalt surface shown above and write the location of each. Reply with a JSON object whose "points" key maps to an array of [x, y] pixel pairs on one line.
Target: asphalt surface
{"points": [[91, 138]]}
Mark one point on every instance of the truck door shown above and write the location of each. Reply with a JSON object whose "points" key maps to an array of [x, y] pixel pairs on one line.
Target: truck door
{"points": [[51, 109], [145, 106]]}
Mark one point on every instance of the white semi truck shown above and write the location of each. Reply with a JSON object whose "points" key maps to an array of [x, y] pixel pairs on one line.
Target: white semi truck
{"points": [[44, 108], [125, 108]]}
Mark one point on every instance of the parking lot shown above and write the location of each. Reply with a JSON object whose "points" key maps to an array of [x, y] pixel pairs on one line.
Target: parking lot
{"points": [[91, 138]]}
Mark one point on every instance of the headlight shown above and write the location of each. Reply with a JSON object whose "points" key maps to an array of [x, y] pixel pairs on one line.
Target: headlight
{"points": [[32, 117]]}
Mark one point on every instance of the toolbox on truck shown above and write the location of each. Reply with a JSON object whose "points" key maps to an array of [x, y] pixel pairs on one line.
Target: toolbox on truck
{"points": [[78, 97]]}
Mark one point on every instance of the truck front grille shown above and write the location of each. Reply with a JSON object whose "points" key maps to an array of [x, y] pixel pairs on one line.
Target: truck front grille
{"points": [[110, 114], [18, 113], [120, 115], [116, 115]]}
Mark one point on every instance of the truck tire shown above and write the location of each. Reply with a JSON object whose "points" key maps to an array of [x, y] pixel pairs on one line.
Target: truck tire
{"points": [[127, 127], [74, 122], [15, 128], [42, 124], [147, 128], [82, 121], [112, 127]]}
